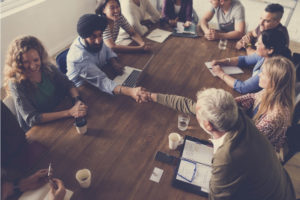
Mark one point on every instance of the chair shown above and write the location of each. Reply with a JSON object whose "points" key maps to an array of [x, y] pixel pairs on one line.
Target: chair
{"points": [[61, 60], [293, 169], [10, 104]]}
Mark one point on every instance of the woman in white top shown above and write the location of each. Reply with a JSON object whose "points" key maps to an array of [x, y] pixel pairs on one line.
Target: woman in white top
{"points": [[136, 11], [111, 9]]}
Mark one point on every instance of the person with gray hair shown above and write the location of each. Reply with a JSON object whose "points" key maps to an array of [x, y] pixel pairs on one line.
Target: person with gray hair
{"points": [[244, 164]]}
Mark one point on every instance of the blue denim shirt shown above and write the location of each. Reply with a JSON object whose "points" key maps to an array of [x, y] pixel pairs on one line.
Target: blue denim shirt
{"points": [[250, 85], [83, 65]]}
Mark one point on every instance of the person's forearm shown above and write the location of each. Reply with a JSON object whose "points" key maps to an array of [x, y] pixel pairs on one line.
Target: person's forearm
{"points": [[122, 90], [47, 117], [228, 61], [138, 39], [74, 92], [230, 35], [122, 48], [227, 79], [204, 25]]}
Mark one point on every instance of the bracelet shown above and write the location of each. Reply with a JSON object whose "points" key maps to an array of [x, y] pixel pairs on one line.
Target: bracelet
{"points": [[150, 97], [228, 60]]}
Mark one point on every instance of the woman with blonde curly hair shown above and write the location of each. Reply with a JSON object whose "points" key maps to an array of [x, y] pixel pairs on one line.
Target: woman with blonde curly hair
{"points": [[36, 85]]}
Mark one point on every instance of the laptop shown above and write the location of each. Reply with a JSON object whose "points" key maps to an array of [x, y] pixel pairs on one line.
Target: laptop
{"points": [[132, 76]]}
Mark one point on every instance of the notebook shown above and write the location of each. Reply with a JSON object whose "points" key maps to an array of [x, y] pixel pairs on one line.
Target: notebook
{"points": [[42, 193], [227, 69], [159, 35], [132, 76], [193, 172]]}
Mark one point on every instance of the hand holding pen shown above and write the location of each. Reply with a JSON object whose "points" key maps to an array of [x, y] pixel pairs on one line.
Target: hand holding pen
{"points": [[50, 177]]}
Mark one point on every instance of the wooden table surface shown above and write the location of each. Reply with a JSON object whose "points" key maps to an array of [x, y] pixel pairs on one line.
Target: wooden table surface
{"points": [[124, 136]]}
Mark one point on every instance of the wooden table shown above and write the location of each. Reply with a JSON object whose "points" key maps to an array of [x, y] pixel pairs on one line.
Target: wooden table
{"points": [[123, 136]]}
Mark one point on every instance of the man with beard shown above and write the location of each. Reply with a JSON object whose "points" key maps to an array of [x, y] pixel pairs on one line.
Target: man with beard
{"points": [[88, 55], [270, 19]]}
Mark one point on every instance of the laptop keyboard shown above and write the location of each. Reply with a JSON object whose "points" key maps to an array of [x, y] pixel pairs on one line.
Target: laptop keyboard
{"points": [[132, 79]]}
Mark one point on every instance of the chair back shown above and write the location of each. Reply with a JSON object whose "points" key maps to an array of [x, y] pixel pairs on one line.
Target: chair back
{"points": [[61, 60], [10, 104]]}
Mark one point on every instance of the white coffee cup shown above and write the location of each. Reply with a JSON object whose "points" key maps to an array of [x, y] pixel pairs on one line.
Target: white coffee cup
{"points": [[83, 177], [175, 139]]}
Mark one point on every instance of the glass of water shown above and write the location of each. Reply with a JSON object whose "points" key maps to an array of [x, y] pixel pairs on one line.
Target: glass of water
{"points": [[222, 44], [183, 121]]}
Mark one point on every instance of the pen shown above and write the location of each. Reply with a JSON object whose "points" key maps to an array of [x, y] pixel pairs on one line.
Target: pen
{"points": [[153, 36], [50, 178]]}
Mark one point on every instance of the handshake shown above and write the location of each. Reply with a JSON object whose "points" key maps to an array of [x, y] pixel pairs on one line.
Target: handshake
{"points": [[142, 95]]}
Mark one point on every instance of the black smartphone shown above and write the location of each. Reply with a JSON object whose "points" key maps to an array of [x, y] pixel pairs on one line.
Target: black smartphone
{"points": [[166, 158]]}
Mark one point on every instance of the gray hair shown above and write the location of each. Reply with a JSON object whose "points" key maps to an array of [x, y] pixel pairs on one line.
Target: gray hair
{"points": [[218, 107]]}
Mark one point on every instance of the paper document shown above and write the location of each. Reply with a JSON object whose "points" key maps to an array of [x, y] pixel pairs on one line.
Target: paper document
{"points": [[200, 178], [195, 165], [197, 152], [43, 193], [159, 35], [156, 174], [227, 69], [181, 29]]}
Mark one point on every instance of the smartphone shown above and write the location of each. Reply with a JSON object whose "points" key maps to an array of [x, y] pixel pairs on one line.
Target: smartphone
{"points": [[166, 158]]}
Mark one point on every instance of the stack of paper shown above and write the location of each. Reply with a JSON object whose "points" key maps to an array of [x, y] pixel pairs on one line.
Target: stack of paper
{"points": [[226, 69], [159, 35]]}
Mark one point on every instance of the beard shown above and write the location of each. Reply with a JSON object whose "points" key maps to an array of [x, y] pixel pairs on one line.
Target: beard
{"points": [[94, 48]]}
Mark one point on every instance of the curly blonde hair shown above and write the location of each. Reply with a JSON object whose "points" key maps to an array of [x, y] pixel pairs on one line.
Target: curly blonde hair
{"points": [[14, 69]]}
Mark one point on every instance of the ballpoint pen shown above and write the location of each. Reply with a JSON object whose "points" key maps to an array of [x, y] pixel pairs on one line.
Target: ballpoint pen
{"points": [[50, 177]]}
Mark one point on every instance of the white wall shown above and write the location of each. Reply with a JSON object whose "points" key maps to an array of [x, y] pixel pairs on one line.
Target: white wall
{"points": [[52, 21]]}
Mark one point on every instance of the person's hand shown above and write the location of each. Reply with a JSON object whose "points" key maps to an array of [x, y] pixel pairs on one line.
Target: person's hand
{"points": [[78, 110], [246, 40], [239, 45], [139, 94], [34, 181], [146, 46], [60, 192], [211, 34], [216, 62], [187, 24], [173, 22], [218, 70]]}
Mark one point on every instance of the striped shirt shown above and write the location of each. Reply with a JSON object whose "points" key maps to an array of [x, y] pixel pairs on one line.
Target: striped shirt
{"points": [[114, 32]]}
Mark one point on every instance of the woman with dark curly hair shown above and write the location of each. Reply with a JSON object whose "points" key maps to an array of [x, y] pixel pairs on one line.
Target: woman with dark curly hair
{"points": [[36, 85], [271, 43]]}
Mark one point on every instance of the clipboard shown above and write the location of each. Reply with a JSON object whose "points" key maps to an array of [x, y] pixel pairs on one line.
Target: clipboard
{"points": [[188, 185]]}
